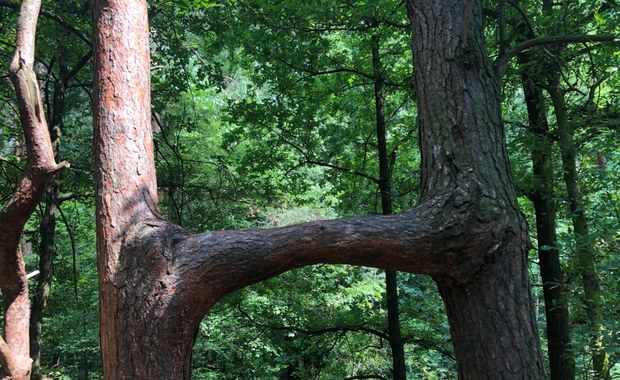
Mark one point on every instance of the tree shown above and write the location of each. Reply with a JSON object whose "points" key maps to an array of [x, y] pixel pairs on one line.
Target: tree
{"points": [[157, 280], [544, 71], [561, 358], [41, 166]]}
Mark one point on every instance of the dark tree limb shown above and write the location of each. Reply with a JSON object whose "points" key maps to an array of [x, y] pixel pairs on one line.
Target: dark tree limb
{"points": [[502, 61]]}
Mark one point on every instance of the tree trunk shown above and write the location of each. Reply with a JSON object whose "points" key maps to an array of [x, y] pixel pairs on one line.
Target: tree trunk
{"points": [[463, 153], [397, 345], [586, 262], [47, 229], [561, 358], [15, 360], [157, 280]]}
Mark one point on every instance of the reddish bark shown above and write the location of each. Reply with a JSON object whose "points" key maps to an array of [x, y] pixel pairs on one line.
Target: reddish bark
{"points": [[157, 280], [41, 166]]}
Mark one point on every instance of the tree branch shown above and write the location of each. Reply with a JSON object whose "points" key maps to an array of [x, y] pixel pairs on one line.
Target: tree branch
{"points": [[326, 330], [502, 61], [53, 17], [419, 241]]}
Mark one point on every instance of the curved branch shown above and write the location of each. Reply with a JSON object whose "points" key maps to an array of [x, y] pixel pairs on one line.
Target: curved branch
{"points": [[53, 17], [41, 166], [423, 241], [502, 61], [366, 377]]}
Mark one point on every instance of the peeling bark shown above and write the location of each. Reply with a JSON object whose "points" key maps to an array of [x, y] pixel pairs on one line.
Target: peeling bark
{"points": [[41, 166]]}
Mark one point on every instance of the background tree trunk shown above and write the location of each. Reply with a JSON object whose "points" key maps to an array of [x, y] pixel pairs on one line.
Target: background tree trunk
{"points": [[47, 228], [397, 345], [561, 358], [586, 262]]}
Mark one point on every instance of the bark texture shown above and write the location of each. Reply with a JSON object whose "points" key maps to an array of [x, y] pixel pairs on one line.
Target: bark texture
{"points": [[14, 343], [463, 154], [157, 280]]}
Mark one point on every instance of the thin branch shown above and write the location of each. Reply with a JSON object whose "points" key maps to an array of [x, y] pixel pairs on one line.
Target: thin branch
{"points": [[502, 61], [342, 169], [53, 17], [326, 330], [501, 16], [526, 19], [314, 73], [73, 251]]}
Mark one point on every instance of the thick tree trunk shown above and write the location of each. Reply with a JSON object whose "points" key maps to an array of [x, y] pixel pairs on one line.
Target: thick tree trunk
{"points": [[561, 358], [586, 262], [157, 281], [464, 154]]}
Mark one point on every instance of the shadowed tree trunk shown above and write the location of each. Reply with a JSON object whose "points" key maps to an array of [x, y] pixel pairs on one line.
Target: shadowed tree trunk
{"points": [[561, 359], [15, 362], [47, 231], [586, 262], [397, 345], [157, 280]]}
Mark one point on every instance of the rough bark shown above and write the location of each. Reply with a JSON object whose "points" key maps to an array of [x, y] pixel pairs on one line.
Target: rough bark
{"points": [[561, 358], [463, 153], [41, 166], [584, 250], [157, 280]]}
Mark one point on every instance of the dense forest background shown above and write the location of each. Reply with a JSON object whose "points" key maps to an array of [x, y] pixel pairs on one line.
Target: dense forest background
{"points": [[270, 113]]}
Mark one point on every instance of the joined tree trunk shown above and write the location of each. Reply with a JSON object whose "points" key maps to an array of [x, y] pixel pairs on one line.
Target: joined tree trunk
{"points": [[463, 153], [157, 280]]}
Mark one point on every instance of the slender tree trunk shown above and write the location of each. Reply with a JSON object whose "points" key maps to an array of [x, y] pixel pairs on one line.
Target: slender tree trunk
{"points": [[561, 358], [47, 229], [586, 261], [397, 345], [157, 281], [15, 362]]}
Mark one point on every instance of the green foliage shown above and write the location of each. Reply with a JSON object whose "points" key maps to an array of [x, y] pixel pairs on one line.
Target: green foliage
{"points": [[264, 117]]}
